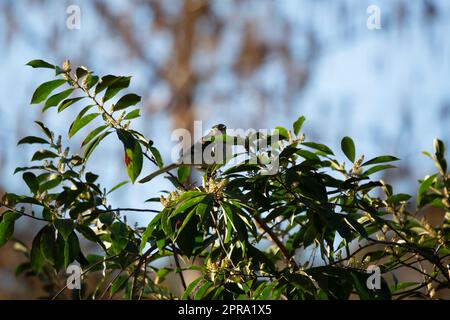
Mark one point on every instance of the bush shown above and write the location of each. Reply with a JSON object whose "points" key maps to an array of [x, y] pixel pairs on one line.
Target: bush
{"points": [[241, 228]]}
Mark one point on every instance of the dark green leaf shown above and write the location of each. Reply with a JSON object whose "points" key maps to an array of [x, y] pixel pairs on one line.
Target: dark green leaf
{"points": [[282, 132], [90, 148], [48, 247], [378, 168], [132, 115], [31, 181], [117, 186], [45, 89], [348, 147], [71, 249], [37, 259], [157, 156], [79, 123], [93, 134], [50, 184], [91, 177], [118, 284], [423, 189], [43, 154], [80, 72], [319, 146], [119, 239], [57, 98], [44, 129], [395, 199], [90, 81], [64, 227], [114, 83], [184, 173], [127, 101], [32, 140], [298, 124], [40, 64], [380, 159], [7, 226], [133, 154], [191, 287], [68, 102]]}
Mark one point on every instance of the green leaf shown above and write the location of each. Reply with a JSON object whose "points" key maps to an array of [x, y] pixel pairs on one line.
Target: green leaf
{"points": [[117, 186], [50, 184], [119, 235], [45, 89], [396, 199], [91, 80], [202, 290], [37, 259], [133, 114], [90, 148], [71, 249], [68, 102], [118, 284], [348, 147], [80, 72], [401, 286], [113, 83], [319, 146], [127, 101], [423, 189], [190, 287], [57, 98], [31, 181], [64, 227], [157, 156], [188, 203], [79, 123], [380, 159], [282, 132], [186, 220], [133, 154], [298, 125], [32, 140], [93, 134], [90, 235], [44, 129], [145, 236], [184, 173], [7, 226], [40, 64], [47, 243], [91, 177], [43, 154], [439, 148], [380, 167]]}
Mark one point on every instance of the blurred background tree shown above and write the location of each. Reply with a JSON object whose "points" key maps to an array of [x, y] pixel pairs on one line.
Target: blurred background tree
{"points": [[249, 64]]}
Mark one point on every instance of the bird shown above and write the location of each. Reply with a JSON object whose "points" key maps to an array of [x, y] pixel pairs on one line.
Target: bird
{"points": [[196, 154]]}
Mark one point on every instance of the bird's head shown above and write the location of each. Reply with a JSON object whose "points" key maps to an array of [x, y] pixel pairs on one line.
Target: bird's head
{"points": [[220, 128]]}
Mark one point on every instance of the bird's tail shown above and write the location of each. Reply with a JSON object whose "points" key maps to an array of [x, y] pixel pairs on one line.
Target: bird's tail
{"points": [[158, 172]]}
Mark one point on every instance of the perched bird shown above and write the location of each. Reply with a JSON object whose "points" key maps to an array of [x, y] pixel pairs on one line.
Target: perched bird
{"points": [[195, 155]]}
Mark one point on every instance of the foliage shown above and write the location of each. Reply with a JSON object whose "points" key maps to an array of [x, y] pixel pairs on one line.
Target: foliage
{"points": [[241, 229]]}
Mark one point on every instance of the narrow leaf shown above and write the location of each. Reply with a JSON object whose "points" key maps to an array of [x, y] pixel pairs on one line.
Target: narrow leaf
{"points": [[127, 101], [45, 89], [80, 123]]}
